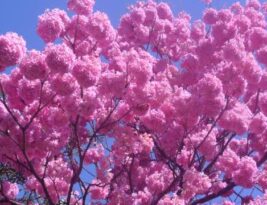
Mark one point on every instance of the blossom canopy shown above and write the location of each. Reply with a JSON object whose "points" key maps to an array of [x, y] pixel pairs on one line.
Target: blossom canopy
{"points": [[161, 110]]}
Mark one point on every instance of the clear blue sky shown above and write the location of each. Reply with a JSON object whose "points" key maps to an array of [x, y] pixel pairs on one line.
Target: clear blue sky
{"points": [[21, 15]]}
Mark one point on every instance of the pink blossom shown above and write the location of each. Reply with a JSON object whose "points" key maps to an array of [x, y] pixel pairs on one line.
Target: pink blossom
{"points": [[33, 65], [258, 123], [64, 84], [263, 103], [59, 58], [160, 66], [236, 119], [223, 32], [79, 33], [52, 24], [89, 103], [257, 37], [237, 8], [138, 15], [234, 50], [243, 23], [164, 11], [228, 203], [251, 69], [196, 183], [198, 30], [55, 117], [10, 190], [261, 55], [98, 193], [94, 154], [86, 71], [83, 7], [151, 12], [225, 15], [154, 119], [257, 18], [29, 90], [228, 162], [209, 95], [112, 83], [245, 172], [262, 179], [184, 158], [12, 48], [101, 28], [142, 197], [233, 84], [253, 4], [263, 82], [210, 16]]}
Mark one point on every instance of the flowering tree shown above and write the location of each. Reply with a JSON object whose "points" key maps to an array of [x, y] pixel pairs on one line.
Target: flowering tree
{"points": [[161, 110]]}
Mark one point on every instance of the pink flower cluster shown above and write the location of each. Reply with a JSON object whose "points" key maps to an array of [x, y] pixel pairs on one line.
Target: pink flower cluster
{"points": [[52, 24], [12, 49]]}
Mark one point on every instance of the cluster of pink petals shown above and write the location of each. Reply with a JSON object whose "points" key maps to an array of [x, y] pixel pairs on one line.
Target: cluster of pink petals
{"points": [[86, 71], [196, 183], [59, 58], [33, 65], [12, 49], [52, 24], [10, 190], [82, 7]]}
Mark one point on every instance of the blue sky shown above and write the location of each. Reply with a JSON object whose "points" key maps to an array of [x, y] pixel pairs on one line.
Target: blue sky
{"points": [[21, 16]]}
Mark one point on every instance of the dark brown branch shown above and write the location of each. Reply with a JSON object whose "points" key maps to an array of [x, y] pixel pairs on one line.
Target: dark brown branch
{"points": [[209, 197]]}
